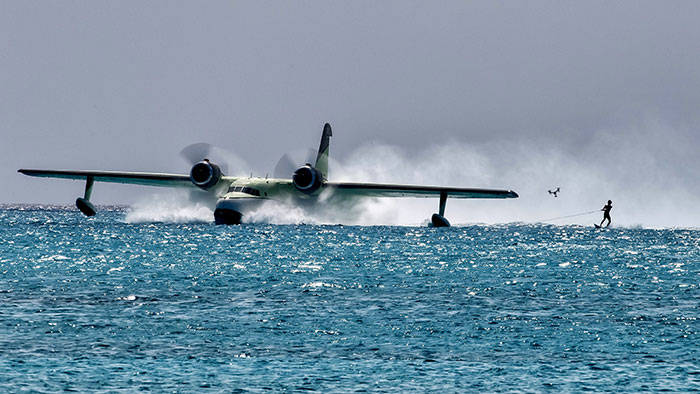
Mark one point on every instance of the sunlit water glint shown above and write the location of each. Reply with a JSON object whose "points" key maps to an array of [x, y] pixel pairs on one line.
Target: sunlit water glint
{"points": [[101, 303]]}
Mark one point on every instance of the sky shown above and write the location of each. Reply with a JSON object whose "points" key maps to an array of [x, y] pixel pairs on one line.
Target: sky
{"points": [[599, 98]]}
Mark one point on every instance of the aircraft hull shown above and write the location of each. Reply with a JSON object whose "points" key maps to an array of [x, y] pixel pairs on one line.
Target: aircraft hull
{"points": [[231, 210]]}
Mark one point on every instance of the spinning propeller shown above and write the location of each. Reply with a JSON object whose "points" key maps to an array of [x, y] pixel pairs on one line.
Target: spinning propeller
{"points": [[197, 152], [290, 162]]}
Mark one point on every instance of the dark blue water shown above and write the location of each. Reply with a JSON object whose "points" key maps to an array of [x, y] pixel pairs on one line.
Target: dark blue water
{"points": [[97, 303]]}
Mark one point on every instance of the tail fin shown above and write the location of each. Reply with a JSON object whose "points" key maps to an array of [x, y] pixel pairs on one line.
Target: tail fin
{"points": [[322, 157]]}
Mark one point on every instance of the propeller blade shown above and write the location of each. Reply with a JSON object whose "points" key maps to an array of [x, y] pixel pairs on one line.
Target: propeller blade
{"points": [[196, 152], [311, 157], [285, 167]]}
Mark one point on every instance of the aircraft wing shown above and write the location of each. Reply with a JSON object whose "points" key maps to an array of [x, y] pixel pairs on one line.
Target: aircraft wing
{"points": [[393, 190], [135, 178]]}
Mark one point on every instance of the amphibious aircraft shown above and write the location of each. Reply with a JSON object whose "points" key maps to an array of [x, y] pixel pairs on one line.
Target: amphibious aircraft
{"points": [[236, 196]]}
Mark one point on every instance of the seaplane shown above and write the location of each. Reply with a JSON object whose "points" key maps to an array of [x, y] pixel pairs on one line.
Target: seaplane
{"points": [[237, 196]]}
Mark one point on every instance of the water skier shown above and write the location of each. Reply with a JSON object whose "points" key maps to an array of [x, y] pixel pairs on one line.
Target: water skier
{"points": [[606, 213]]}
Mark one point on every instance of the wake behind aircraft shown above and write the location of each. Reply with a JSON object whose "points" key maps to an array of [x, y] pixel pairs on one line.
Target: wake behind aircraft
{"points": [[237, 196]]}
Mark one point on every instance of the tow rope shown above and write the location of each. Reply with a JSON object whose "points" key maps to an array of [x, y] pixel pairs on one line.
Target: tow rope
{"points": [[569, 216]]}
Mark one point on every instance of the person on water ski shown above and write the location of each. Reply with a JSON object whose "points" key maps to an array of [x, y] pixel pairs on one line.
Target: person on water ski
{"points": [[606, 213]]}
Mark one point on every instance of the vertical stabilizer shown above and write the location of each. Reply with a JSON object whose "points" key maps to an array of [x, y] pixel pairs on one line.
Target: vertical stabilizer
{"points": [[322, 157]]}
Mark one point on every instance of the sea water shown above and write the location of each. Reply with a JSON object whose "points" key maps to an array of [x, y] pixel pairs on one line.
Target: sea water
{"points": [[101, 304]]}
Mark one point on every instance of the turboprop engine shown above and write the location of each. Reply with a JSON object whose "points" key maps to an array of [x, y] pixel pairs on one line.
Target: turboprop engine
{"points": [[307, 179], [205, 174]]}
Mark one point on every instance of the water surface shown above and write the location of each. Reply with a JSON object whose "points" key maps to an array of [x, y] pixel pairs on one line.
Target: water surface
{"points": [[102, 304]]}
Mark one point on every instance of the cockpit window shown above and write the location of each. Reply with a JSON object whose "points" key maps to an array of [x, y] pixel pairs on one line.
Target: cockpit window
{"points": [[244, 189], [250, 190]]}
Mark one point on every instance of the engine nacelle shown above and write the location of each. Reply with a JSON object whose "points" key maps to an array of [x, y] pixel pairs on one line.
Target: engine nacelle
{"points": [[205, 174], [307, 179]]}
